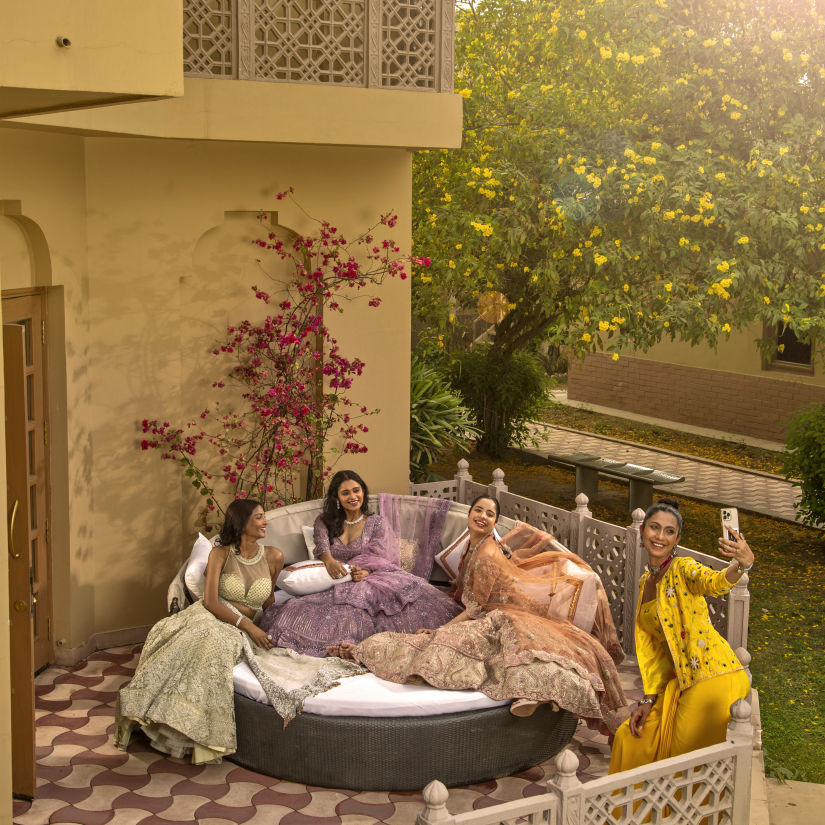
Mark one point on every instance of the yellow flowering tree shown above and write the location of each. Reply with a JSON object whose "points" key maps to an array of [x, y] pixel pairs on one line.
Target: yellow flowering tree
{"points": [[630, 171]]}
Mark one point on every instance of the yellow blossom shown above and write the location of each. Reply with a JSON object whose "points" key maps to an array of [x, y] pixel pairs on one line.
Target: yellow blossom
{"points": [[626, 287], [599, 259], [684, 242], [735, 115], [586, 337], [623, 57], [606, 53], [668, 287], [766, 299], [720, 176], [604, 326], [465, 92], [615, 356], [723, 267], [725, 327]]}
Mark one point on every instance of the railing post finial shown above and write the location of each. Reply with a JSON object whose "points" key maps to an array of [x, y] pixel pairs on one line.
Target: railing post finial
{"points": [[498, 485], [581, 506], [435, 806], [739, 727]]}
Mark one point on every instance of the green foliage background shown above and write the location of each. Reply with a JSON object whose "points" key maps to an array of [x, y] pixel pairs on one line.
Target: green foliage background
{"points": [[631, 171], [805, 460]]}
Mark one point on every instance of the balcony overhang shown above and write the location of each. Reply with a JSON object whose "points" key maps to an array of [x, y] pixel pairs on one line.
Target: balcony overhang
{"points": [[261, 112]]}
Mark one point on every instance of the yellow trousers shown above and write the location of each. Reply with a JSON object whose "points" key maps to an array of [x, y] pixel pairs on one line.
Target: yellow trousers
{"points": [[679, 723]]}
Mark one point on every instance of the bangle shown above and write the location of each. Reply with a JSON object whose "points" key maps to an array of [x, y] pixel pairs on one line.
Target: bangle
{"points": [[648, 700], [743, 569], [240, 619]]}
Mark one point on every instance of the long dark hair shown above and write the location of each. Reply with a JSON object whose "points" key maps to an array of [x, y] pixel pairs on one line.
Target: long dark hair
{"points": [[489, 498], [332, 513], [665, 505], [237, 515]]}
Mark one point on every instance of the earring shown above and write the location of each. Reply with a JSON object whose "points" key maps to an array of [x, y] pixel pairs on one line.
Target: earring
{"points": [[339, 505]]}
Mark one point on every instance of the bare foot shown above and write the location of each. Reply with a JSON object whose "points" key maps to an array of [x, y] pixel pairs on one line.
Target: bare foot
{"points": [[342, 651]]}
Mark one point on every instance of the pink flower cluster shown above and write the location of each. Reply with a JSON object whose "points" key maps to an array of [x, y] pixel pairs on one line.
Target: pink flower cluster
{"points": [[294, 379]]}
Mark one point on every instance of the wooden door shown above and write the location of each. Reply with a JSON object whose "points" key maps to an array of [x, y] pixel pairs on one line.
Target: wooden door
{"points": [[21, 619], [32, 463]]}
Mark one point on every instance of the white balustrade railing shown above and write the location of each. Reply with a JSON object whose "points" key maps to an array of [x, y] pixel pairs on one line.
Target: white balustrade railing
{"points": [[391, 44], [708, 785], [613, 551]]}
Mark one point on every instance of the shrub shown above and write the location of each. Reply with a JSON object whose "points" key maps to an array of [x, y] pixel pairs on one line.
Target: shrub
{"points": [[504, 391], [438, 419], [805, 462]]}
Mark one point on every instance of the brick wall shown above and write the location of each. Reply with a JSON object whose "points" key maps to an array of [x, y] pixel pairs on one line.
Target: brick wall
{"points": [[755, 406]]}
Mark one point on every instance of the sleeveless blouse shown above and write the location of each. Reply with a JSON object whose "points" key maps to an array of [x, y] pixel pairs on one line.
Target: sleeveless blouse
{"points": [[245, 581]]}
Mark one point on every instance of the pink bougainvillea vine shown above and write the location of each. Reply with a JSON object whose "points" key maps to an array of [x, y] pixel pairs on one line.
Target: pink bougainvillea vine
{"points": [[296, 418]]}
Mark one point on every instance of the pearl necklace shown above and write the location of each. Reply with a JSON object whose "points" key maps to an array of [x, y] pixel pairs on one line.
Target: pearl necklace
{"points": [[353, 523]]}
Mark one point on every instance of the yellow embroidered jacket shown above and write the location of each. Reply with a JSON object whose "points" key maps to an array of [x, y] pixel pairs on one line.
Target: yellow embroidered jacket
{"points": [[697, 651]]}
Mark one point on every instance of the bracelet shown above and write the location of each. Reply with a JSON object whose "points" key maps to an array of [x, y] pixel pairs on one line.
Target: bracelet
{"points": [[743, 569], [648, 700], [240, 619]]}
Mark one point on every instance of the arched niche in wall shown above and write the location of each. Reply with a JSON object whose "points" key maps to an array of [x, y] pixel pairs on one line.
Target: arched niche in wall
{"points": [[25, 261], [218, 293]]}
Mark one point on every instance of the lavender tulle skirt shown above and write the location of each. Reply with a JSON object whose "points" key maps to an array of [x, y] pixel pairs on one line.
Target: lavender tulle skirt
{"points": [[353, 611]]}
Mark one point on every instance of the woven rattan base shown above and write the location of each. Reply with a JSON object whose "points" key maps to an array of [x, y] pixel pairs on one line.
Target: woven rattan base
{"points": [[396, 753]]}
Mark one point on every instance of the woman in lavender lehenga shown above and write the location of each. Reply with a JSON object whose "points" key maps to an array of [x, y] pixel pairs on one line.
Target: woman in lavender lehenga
{"points": [[380, 597]]}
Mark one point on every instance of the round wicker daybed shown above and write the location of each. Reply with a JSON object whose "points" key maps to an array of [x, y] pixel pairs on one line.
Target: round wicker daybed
{"points": [[389, 748], [396, 753]]}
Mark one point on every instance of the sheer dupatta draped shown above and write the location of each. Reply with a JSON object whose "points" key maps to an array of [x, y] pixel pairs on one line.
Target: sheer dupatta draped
{"points": [[550, 584]]}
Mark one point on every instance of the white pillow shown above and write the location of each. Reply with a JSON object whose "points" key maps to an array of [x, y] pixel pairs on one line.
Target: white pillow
{"points": [[195, 570], [307, 577], [309, 539], [450, 557]]}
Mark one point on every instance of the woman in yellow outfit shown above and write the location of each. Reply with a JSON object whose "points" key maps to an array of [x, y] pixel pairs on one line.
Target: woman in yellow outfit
{"points": [[691, 676]]}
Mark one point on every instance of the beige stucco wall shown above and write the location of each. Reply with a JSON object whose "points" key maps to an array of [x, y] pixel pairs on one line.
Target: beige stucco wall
{"points": [[124, 219], [117, 50]]}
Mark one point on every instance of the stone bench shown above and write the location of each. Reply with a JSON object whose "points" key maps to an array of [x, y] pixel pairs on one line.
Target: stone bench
{"points": [[641, 479]]}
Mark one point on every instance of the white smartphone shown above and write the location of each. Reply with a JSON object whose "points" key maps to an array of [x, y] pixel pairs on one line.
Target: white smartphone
{"points": [[730, 519]]}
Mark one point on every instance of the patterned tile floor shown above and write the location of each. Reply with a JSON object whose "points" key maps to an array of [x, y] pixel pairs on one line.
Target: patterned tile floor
{"points": [[706, 480], [84, 780]]}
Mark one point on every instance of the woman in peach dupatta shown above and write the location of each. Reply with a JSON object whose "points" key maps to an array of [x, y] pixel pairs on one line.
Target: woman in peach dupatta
{"points": [[535, 628]]}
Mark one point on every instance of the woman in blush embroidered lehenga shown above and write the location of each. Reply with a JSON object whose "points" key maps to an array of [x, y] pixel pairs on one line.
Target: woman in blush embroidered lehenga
{"points": [[535, 628], [380, 597]]}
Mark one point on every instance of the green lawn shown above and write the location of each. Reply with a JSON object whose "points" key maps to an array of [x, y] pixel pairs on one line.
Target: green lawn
{"points": [[787, 632]]}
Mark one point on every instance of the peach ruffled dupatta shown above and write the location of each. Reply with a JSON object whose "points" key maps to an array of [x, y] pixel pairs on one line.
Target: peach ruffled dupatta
{"points": [[549, 583]]}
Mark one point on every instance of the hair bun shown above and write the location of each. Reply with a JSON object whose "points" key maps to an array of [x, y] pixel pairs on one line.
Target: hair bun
{"points": [[671, 502]]}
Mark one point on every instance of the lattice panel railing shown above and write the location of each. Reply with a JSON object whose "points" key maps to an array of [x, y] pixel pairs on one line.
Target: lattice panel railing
{"points": [[408, 44], [436, 489], [399, 44], [612, 551], [702, 794], [473, 489], [602, 546], [309, 41], [544, 516], [209, 38]]}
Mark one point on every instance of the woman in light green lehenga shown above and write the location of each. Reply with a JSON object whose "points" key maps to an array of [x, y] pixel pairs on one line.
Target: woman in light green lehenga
{"points": [[181, 695]]}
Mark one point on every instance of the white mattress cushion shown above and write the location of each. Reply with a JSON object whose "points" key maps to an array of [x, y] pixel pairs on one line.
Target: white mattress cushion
{"points": [[367, 695]]}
